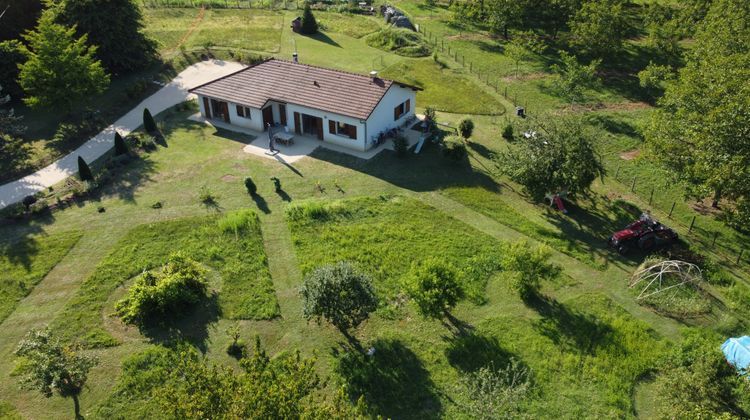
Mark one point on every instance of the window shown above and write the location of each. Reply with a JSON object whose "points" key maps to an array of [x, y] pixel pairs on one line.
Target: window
{"points": [[401, 109], [243, 111], [342, 129]]}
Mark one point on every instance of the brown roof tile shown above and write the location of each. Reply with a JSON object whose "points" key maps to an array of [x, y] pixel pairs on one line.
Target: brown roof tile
{"points": [[336, 91]]}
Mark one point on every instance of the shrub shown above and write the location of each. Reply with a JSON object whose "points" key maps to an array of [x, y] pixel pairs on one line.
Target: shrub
{"points": [[148, 122], [430, 118], [84, 172], [508, 132], [250, 186], [237, 347], [309, 24], [160, 296], [466, 128], [120, 147], [528, 267], [400, 145], [136, 89], [207, 197], [340, 294], [156, 205], [434, 286], [28, 201], [454, 149]]}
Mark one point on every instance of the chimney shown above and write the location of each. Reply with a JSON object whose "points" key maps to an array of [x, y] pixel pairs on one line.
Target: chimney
{"points": [[374, 74], [295, 58]]}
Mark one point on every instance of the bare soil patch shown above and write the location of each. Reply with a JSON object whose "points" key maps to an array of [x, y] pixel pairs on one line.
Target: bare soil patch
{"points": [[630, 155]]}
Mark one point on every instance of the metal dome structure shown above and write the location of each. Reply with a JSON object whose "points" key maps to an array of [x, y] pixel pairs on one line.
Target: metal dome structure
{"points": [[660, 276]]}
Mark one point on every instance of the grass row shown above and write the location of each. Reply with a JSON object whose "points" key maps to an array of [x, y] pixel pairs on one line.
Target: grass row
{"points": [[25, 262], [239, 257]]}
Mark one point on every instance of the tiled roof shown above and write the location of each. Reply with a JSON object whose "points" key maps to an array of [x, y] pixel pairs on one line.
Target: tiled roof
{"points": [[336, 91]]}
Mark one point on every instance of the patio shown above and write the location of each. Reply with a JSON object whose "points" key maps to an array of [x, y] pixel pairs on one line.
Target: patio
{"points": [[303, 144]]}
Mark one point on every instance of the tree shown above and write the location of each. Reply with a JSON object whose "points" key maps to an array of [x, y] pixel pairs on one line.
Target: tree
{"points": [[695, 133], [148, 122], [309, 25], [60, 69], [654, 76], [599, 27], [557, 156], [434, 286], [49, 366], [503, 15], [516, 51], [340, 294], [573, 76], [465, 127], [120, 147], [528, 266], [115, 27], [84, 172]]}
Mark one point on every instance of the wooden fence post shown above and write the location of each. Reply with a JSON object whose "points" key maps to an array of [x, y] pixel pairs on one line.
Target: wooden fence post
{"points": [[632, 186], [692, 222], [651, 197], [672, 209]]}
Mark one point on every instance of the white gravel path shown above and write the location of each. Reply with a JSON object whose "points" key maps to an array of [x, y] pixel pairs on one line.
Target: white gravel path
{"points": [[171, 94]]}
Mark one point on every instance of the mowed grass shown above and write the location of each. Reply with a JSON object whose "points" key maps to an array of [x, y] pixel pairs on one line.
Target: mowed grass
{"points": [[383, 236], [238, 255], [24, 262], [445, 89]]}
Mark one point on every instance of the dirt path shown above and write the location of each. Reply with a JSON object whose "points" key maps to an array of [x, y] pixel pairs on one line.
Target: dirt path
{"points": [[193, 25]]}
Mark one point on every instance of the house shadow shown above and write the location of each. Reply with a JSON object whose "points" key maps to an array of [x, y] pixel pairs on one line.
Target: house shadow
{"points": [[570, 330], [470, 352], [393, 381], [427, 171], [322, 37], [235, 136], [193, 327]]}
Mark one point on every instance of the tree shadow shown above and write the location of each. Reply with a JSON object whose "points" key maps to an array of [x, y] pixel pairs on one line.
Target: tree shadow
{"points": [[428, 171], [261, 203], [471, 352], [322, 37], [393, 381], [615, 126], [193, 327], [571, 330], [283, 195], [126, 177], [455, 325], [18, 243]]}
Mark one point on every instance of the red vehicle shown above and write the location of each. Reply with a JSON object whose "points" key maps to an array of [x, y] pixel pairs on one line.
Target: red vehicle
{"points": [[645, 233]]}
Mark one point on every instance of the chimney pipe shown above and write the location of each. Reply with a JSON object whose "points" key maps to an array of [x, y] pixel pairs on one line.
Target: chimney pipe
{"points": [[374, 74], [295, 58]]}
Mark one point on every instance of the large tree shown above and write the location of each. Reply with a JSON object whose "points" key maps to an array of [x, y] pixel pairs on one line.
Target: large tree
{"points": [[598, 28], [434, 286], [340, 294], [553, 156], [115, 27], [60, 69], [701, 129], [51, 367]]}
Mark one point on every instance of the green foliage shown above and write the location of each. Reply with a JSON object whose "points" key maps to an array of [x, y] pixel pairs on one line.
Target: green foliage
{"points": [[148, 122], [309, 24], [115, 27], [25, 262], [237, 347], [400, 41], [434, 286], [340, 294], [11, 56], [120, 147], [239, 222], [50, 367], [653, 77], [60, 69], [246, 292], [490, 390], [465, 127], [559, 156], [454, 148], [250, 186], [528, 267], [702, 114], [84, 172], [599, 27], [573, 77], [695, 381], [508, 132], [400, 145], [163, 296]]}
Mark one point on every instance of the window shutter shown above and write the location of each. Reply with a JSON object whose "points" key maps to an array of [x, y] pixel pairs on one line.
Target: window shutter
{"points": [[353, 131], [407, 108], [240, 111], [332, 126]]}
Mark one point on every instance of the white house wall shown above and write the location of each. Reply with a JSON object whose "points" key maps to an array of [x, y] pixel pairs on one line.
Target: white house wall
{"points": [[381, 118], [358, 144]]}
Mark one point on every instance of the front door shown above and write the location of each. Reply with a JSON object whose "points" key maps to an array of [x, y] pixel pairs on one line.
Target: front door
{"points": [[225, 111], [282, 114], [219, 109], [267, 116]]}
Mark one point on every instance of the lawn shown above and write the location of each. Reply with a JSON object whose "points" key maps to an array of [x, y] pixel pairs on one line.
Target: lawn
{"points": [[25, 261], [238, 255]]}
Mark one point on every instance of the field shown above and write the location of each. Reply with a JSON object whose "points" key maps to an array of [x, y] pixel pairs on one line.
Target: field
{"points": [[590, 347]]}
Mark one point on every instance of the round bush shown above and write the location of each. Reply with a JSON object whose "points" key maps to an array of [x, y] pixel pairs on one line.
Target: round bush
{"points": [[466, 128]]}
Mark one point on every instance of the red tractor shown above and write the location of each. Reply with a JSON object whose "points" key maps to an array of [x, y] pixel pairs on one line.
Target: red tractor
{"points": [[645, 233]]}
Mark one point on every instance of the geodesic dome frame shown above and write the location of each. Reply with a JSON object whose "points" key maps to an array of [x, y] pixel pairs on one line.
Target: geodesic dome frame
{"points": [[653, 278]]}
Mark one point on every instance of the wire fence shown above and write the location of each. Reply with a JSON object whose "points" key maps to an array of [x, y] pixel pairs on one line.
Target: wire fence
{"points": [[226, 4]]}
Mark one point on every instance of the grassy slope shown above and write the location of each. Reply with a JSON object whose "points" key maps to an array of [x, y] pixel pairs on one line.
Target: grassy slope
{"points": [[246, 290], [24, 263]]}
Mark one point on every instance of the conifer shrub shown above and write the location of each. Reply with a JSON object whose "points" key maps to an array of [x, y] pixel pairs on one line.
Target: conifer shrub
{"points": [[148, 121], [309, 24], [84, 172], [120, 147]]}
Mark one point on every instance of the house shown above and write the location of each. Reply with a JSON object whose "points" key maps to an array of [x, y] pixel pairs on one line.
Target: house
{"points": [[334, 106]]}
